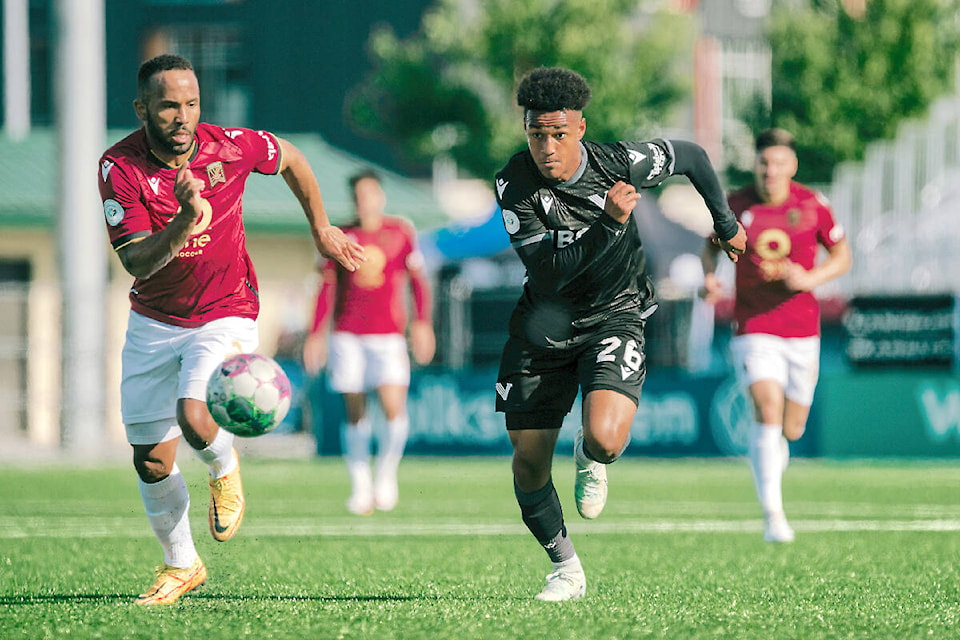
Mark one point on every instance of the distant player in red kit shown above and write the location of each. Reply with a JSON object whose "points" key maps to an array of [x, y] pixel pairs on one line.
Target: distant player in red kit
{"points": [[776, 348], [171, 196], [367, 343]]}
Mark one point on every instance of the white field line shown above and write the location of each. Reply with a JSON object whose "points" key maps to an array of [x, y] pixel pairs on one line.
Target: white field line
{"points": [[74, 527]]}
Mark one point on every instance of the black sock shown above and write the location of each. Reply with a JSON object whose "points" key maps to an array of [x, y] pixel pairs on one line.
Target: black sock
{"points": [[543, 516]]}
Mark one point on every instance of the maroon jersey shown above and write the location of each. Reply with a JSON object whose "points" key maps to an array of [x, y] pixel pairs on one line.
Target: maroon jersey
{"points": [[212, 276], [793, 230], [370, 300]]}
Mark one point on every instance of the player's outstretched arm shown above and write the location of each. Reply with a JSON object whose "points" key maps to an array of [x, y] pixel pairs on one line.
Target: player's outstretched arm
{"points": [[691, 160], [838, 261], [330, 240]]}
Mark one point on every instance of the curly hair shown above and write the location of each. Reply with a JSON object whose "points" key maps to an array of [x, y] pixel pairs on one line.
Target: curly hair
{"points": [[553, 89]]}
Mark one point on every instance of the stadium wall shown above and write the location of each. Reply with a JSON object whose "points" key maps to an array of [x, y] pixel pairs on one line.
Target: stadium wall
{"points": [[902, 414]]}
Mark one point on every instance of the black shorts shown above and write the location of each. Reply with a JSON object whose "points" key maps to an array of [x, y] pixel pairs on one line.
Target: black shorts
{"points": [[542, 381]]}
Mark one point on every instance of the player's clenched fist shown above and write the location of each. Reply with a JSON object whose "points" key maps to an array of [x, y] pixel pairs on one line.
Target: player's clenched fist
{"points": [[621, 200]]}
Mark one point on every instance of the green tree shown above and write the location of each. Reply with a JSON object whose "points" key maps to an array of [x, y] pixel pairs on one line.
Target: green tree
{"points": [[840, 81], [450, 88]]}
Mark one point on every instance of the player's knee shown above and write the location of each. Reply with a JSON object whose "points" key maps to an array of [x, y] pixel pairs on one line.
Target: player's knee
{"points": [[605, 455], [529, 473], [793, 432], [602, 450], [196, 423], [151, 470]]}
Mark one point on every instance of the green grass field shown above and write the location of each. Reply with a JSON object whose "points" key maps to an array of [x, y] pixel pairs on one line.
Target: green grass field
{"points": [[678, 553]]}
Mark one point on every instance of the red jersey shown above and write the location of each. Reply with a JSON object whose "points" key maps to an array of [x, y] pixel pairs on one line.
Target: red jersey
{"points": [[370, 300], [212, 276], [793, 230]]}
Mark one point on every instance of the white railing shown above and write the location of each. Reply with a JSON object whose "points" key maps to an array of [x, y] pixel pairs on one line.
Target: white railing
{"points": [[901, 207]]}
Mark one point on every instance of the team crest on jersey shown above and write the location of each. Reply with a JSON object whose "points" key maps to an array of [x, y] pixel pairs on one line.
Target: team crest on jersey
{"points": [[793, 217], [215, 173]]}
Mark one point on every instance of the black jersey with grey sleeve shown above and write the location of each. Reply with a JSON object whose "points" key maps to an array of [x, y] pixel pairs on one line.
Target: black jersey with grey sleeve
{"points": [[578, 258]]}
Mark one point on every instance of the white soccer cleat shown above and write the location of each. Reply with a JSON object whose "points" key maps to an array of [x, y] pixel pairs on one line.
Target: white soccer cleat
{"points": [[777, 530], [565, 583], [360, 504], [590, 487], [386, 494]]}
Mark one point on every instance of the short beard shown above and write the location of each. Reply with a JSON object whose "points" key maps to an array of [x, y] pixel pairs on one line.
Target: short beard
{"points": [[159, 139]]}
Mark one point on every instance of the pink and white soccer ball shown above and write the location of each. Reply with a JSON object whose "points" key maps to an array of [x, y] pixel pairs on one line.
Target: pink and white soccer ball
{"points": [[248, 394]]}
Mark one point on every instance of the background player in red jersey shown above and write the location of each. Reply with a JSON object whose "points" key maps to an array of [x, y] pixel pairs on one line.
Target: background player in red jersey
{"points": [[368, 348], [776, 348], [172, 194]]}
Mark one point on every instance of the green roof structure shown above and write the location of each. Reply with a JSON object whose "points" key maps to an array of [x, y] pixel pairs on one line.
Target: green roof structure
{"points": [[29, 174]]}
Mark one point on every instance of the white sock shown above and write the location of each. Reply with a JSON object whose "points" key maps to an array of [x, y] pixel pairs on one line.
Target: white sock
{"points": [[784, 453], [218, 455], [167, 504], [356, 453], [391, 442], [766, 461], [571, 563], [580, 457]]}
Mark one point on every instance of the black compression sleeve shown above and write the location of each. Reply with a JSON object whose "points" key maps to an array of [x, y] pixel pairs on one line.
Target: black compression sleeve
{"points": [[692, 161]]}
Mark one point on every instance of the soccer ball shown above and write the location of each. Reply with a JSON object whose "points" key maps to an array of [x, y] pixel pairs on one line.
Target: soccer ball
{"points": [[248, 394]]}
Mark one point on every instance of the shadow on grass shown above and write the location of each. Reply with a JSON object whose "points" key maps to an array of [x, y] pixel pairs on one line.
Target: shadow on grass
{"points": [[55, 598]]}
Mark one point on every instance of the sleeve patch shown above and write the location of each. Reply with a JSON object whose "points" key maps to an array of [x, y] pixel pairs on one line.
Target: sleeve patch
{"points": [[511, 221], [113, 212]]}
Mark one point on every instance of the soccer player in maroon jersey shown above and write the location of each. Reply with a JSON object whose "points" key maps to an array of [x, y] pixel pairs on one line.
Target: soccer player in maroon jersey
{"points": [[567, 204], [776, 347], [172, 195], [367, 309]]}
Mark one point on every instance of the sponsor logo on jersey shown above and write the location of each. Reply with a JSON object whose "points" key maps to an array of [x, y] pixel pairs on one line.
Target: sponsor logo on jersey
{"points": [[233, 134], [105, 169], [501, 187], [565, 237], [154, 182], [271, 146], [659, 160], [636, 156], [504, 390], [511, 221], [215, 174], [113, 212]]}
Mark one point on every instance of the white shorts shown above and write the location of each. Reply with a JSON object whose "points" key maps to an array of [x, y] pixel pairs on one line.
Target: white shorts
{"points": [[162, 363], [361, 363], [794, 363]]}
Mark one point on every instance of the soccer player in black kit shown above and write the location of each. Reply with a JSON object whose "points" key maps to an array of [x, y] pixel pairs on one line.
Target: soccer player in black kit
{"points": [[567, 205]]}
